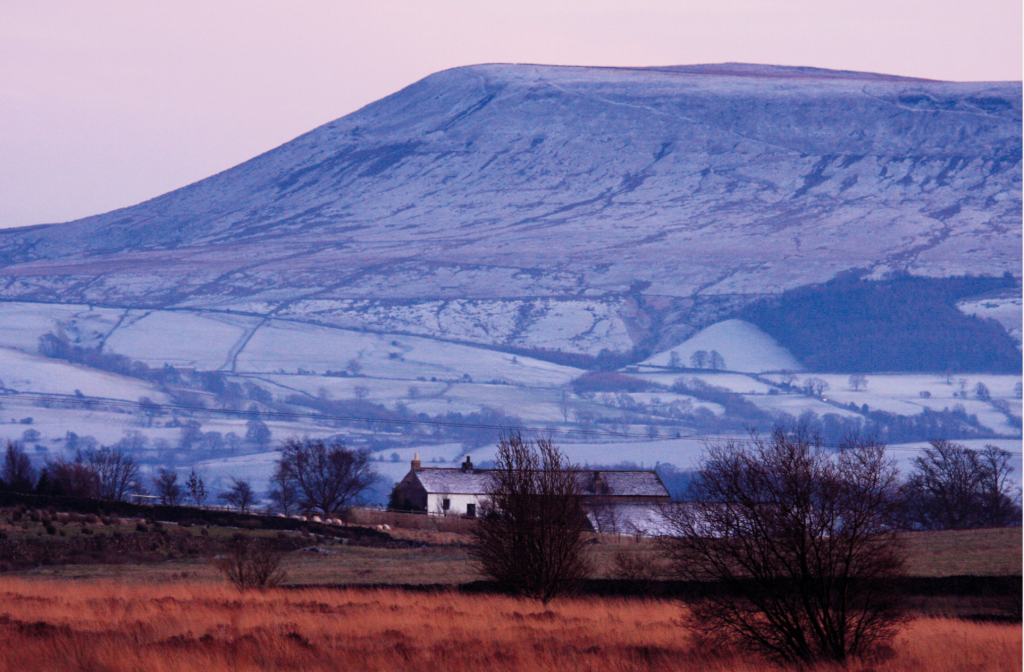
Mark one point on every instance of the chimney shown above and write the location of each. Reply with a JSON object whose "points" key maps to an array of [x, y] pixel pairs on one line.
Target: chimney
{"points": [[467, 466], [416, 462]]}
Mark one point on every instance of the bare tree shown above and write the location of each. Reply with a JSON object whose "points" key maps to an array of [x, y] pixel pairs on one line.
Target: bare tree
{"points": [[196, 488], [16, 471], [858, 380], [700, 359], [801, 541], [530, 538], [117, 473], [240, 494], [328, 477], [981, 392], [603, 515], [284, 494], [815, 387], [674, 360], [565, 406], [954, 487], [716, 361], [253, 564], [257, 432], [72, 479], [167, 489]]}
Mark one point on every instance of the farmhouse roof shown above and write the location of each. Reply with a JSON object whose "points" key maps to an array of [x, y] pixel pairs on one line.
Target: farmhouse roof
{"points": [[593, 482], [454, 481]]}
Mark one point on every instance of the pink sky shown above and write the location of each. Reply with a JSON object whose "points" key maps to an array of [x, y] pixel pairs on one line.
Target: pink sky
{"points": [[105, 103]]}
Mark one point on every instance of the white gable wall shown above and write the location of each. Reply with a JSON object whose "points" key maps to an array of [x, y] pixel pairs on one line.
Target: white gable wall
{"points": [[457, 503]]}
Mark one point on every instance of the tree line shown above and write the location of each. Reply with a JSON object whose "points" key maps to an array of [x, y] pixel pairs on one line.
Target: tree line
{"points": [[311, 475], [902, 323]]}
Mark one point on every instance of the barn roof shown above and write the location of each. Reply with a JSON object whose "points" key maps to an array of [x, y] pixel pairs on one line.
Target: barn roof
{"points": [[610, 483]]}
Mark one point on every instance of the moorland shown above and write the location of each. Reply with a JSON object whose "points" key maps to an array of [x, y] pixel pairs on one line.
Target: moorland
{"points": [[411, 599]]}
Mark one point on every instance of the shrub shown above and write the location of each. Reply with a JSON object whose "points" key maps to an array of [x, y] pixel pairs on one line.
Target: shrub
{"points": [[253, 564]]}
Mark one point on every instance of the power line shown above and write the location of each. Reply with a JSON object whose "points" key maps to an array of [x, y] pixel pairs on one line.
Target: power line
{"points": [[291, 415]]}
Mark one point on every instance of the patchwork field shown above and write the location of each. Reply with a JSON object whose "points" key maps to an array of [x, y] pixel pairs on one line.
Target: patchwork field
{"points": [[439, 398]]}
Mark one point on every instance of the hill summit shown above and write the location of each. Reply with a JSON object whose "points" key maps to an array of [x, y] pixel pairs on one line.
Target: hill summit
{"points": [[669, 195]]}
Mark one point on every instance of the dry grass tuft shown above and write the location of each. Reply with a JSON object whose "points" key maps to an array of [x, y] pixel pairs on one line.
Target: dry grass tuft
{"points": [[55, 625]]}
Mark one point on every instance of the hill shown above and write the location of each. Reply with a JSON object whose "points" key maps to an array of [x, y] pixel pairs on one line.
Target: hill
{"points": [[490, 246], [574, 209]]}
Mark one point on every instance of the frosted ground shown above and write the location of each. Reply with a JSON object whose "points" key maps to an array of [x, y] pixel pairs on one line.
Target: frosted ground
{"points": [[743, 346], [422, 375]]}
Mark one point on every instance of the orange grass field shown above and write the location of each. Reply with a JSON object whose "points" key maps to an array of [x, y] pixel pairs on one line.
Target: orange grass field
{"points": [[113, 627]]}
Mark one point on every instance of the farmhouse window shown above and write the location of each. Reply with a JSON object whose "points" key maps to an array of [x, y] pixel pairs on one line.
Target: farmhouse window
{"points": [[471, 510], [446, 504]]}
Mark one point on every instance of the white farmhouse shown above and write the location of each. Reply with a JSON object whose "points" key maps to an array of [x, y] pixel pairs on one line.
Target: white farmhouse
{"points": [[463, 490]]}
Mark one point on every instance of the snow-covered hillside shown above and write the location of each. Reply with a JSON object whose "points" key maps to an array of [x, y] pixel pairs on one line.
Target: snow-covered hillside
{"points": [[459, 254], [741, 345], [568, 208]]}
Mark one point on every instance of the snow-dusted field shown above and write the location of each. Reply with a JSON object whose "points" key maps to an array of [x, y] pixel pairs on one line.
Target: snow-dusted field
{"points": [[734, 382], [285, 347], [287, 357], [22, 372], [180, 338], [901, 394], [796, 405], [23, 323], [569, 325], [743, 346]]}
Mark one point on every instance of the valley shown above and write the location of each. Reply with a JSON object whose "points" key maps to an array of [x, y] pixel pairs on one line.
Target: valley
{"points": [[399, 395]]}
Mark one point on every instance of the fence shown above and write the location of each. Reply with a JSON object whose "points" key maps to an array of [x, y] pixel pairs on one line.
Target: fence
{"points": [[411, 521]]}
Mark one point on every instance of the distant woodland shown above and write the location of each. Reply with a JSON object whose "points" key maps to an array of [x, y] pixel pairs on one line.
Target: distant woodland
{"points": [[904, 323]]}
